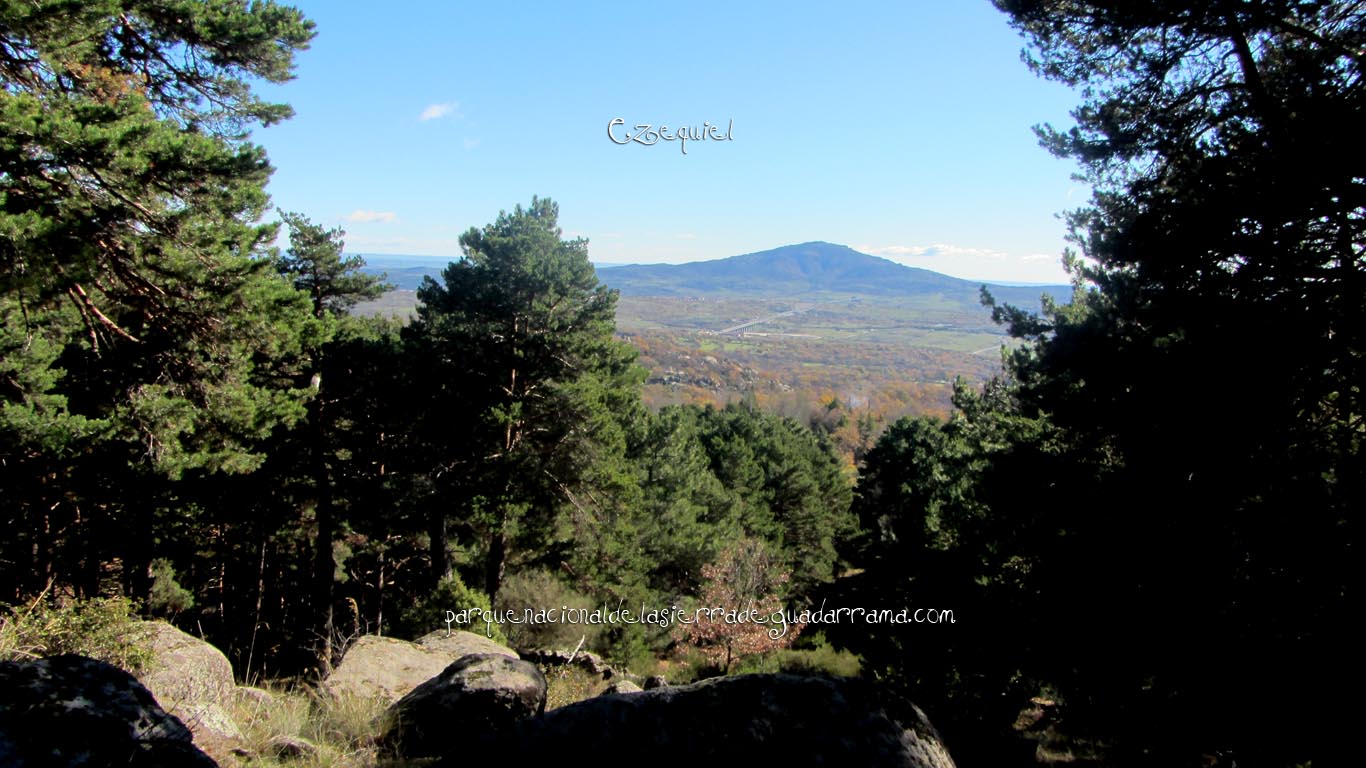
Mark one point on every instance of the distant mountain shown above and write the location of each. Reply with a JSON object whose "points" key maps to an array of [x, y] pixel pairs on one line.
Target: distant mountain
{"points": [[791, 271], [406, 271], [810, 268]]}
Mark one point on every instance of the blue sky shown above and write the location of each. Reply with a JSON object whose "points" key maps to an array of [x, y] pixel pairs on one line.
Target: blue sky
{"points": [[900, 129]]}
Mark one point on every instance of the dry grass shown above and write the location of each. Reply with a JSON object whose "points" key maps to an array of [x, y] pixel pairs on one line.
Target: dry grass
{"points": [[99, 628], [341, 729], [566, 685]]}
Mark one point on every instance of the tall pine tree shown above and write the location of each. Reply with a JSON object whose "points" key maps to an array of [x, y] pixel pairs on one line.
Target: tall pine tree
{"points": [[1159, 511], [527, 388], [334, 283]]}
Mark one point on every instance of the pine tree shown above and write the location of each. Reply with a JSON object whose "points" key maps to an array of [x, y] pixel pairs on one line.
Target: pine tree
{"points": [[1175, 458], [143, 330], [334, 283], [528, 389]]}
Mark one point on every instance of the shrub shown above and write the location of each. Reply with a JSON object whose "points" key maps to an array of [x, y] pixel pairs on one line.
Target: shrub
{"points": [[566, 685], [817, 658], [744, 585], [348, 723], [429, 614], [540, 590], [100, 628], [167, 597], [341, 728]]}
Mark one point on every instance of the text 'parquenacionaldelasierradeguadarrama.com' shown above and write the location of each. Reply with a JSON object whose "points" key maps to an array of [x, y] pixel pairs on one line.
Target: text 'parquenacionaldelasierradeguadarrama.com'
{"points": [[673, 615]]}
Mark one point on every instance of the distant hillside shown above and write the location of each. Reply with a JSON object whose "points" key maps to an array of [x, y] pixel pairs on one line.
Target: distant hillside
{"points": [[809, 268], [791, 271], [403, 271], [789, 327], [406, 271]]}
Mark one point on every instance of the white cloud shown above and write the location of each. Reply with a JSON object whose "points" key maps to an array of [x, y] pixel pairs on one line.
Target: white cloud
{"points": [[974, 263], [934, 251], [362, 216], [435, 111], [471, 143], [420, 246]]}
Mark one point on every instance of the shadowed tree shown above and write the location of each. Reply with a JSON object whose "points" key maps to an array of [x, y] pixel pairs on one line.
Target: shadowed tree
{"points": [[334, 283], [1176, 497], [142, 332]]}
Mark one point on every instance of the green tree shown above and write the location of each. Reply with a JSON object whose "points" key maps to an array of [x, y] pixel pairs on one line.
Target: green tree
{"points": [[1212, 378], [1164, 494], [686, 515], [528, 389], [790, 484], [334, 283], [143, 332], [316, 265], [964, 514]]}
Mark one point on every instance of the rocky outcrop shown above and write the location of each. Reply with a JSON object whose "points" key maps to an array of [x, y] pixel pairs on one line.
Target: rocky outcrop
{"points": [[585, 660], [387, 668], [622, 686], [457, 644], [76, 711], [767, 719], [478, 698], [193, 681]]}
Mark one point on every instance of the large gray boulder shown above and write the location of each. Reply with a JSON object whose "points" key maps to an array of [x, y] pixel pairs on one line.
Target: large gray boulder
{"points": [[182, 667], [750, 719], [477, 698], [388, 669], [383, 668], [457, 644], [75, 711], [193, 681]]}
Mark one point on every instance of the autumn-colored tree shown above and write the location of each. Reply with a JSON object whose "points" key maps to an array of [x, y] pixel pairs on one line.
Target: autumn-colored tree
{"points": [[742, 592]]}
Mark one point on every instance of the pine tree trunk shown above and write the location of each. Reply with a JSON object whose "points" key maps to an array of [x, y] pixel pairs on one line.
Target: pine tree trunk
{"points": [[497, 560], [325, 565], [436, 532]]}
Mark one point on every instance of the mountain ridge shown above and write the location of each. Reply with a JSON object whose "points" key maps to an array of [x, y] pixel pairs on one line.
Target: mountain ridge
{"points": [[789, 271], [815, 267]]}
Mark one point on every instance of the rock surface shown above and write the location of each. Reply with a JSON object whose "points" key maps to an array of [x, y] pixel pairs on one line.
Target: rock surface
{"points": [[622, 686], [459, 643], [387, 668], [72, 710], [291, 747], [183, 668], [760, 719], [193, 681], [254, 696], [585, 660], [476, 699]]}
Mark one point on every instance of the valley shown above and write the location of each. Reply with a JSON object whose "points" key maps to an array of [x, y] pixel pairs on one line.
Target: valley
{"points": [[793, 329]]}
